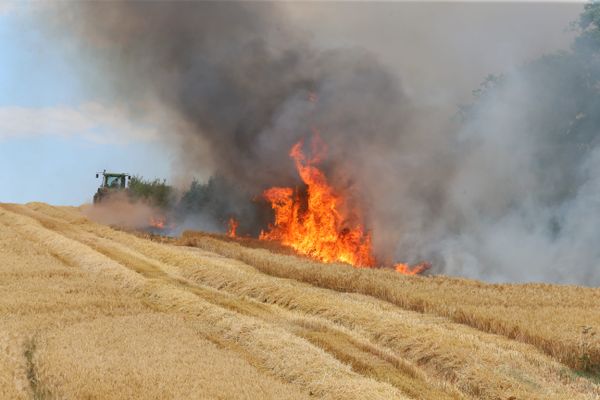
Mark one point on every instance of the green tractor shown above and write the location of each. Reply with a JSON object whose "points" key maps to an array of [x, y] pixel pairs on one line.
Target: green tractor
{"points": [[111, 183]]}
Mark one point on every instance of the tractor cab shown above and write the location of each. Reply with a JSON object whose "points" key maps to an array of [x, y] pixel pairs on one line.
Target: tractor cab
{"points": [[111, 183]]}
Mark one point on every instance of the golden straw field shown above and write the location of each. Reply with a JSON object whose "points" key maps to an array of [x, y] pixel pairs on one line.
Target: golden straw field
{"points": [[92, 312]]}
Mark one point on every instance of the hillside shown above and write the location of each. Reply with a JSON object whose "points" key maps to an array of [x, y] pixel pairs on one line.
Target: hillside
{"points": [[88, 311]]}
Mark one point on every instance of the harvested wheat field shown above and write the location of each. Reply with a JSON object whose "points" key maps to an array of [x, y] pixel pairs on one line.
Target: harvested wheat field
{"points": [[88, 311]]}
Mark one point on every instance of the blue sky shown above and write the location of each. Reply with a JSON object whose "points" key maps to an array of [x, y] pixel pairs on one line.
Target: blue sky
{"points": [[54, 135]]}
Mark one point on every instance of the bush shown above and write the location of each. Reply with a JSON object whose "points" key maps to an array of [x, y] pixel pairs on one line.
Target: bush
{"points": [[157, 193]]}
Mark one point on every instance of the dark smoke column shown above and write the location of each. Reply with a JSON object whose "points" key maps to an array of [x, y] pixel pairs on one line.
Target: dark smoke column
{"points": [[241, 78]]}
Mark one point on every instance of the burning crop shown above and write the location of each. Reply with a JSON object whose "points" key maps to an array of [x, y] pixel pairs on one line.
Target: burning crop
{"points": [[321, 224], [232, 227], [158, 222]]}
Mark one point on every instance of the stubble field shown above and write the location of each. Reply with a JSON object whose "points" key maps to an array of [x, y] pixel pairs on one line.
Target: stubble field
{"points": [[88, 311]]}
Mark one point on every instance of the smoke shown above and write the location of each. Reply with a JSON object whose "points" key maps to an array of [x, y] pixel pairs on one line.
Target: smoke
{"points": [[507, 192], [522, 203], [120, 210]]}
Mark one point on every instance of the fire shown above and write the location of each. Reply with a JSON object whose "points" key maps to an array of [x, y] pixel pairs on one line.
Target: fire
{"points": [[317, 226], [232, 227], [407, 270], [158, 222]]}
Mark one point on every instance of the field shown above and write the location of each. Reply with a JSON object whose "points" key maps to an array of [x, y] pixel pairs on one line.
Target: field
{"points": [[88, 311]]}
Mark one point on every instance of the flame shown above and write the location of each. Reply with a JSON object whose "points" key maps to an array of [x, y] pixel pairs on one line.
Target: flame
{"points": [[318, 227], [407, 270], [158, 222], [232, 227]]}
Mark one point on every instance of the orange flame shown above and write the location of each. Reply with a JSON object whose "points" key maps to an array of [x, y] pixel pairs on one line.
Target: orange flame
{"points": [[232, 227], [407, 270], [158, 222], [319, 228]]}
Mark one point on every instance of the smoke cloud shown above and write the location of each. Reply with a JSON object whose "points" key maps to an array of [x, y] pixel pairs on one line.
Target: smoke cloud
{"points": [[505, 190]]}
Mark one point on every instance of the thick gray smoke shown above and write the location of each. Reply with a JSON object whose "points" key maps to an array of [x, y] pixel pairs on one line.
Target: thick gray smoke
{"points": [[247, 86], [506, 191], [240, 78]]}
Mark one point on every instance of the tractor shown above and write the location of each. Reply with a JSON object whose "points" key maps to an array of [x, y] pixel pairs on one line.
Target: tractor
{"points": [[111, 183]]}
